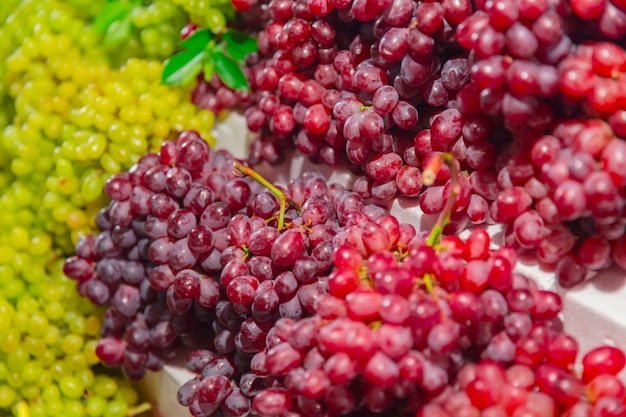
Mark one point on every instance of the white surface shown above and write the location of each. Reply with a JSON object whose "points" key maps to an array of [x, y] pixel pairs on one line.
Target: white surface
{"points": [[161, 388], [595, 311]]}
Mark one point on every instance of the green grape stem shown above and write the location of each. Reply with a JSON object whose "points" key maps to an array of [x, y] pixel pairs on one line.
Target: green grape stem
{"points": [[139, 409], [282, 197], [444, 216]]}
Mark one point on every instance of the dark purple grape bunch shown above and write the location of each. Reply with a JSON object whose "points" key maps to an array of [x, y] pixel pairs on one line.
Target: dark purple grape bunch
{"points": [[161, 238]]}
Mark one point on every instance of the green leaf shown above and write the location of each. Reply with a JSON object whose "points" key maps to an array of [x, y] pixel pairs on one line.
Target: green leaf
{"points": [[209, 66], [118, 31], [198, 40], [238, 44], [110, 13], [229, 71], [183, 67]]}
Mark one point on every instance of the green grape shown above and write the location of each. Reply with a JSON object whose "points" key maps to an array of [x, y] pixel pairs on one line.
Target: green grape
{"points": [[78, 325], [6, 315], [27, 305], [54, 408], [85, 376], [14, 380], [9, 340], [127, 393], [35, 347], [31, 372], [72, 343], [104, 386], [95, 406], [90, 353], [116, 408], [109, 164], [92, 326], [37, 410], [54, 310], [34, 275], [47, 358], [29, 392], [17, 359], [215, 20], [7, 396], [74, 408], [76, 361], [71, 387], [37, 325], [46, 379], [91, 186], [20, 321], [140, 17]]}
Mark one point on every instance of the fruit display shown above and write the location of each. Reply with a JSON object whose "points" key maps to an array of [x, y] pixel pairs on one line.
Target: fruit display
{"points": [[474, 138]]}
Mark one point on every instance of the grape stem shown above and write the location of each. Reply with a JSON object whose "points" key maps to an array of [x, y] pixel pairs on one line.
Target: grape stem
{"points": [[429, 176], [139, 409], [430, 173], [282, 197]]}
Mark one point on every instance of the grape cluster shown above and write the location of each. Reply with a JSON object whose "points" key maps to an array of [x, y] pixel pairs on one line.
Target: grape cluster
{"points": [[158, 25], [48, 333], [177, 228], [211, 14], [308, 299], [148, 29], [469, 337], [528, 96], [143, 253]]}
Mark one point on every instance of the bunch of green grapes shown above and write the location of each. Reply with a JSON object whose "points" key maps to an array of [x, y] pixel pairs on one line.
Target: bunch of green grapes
{"points": [[48, 332], [151, 27], [76, 119], [213, 14], [158, 25]]}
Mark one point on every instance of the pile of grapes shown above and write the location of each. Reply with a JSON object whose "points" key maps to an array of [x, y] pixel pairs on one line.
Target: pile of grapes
{"points": [[127, 241], [528, 95], [309, 300]]}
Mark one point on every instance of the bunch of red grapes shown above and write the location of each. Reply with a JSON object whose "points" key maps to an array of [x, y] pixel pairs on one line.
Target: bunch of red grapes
{"points": [[310, 301], [528, 95]]}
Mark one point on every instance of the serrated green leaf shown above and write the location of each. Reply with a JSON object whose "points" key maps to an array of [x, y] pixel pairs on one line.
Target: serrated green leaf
{"points": [[110, 13], [198, 40], [209, 66], [229, 71], [118, 31], [183, 67], [238, 44]]}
